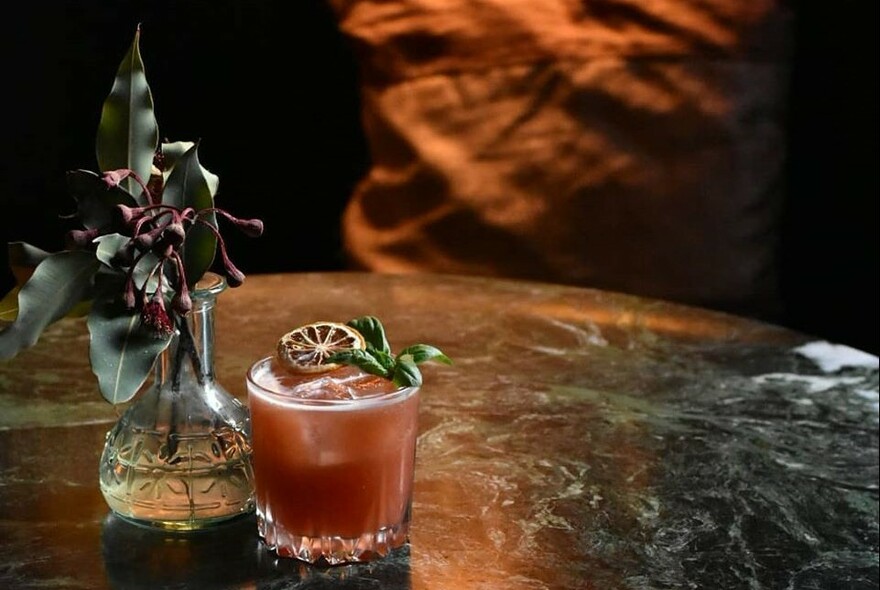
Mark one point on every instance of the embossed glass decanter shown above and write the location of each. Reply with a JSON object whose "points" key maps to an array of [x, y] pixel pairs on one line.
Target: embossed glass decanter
{"points": [[180, 457]]}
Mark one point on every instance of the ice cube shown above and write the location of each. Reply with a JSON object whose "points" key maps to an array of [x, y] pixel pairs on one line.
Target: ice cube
{"points": [[344, 383], [328, 388]]}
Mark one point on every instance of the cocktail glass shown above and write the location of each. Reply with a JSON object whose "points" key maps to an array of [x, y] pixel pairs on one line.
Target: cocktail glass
{"points": [[333, 458]]}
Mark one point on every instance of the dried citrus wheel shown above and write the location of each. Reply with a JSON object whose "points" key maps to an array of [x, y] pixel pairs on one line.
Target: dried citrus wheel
{"points": [[307, 348]]}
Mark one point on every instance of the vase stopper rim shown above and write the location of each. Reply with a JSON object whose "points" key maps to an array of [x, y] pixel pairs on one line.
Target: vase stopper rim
{"points": [[210, 283]]}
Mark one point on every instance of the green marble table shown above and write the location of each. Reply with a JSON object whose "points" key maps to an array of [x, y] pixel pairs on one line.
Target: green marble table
{"points": [[582, 439]]}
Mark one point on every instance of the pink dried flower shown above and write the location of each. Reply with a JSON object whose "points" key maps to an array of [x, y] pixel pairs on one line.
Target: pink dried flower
{"points": [[155, 317]]}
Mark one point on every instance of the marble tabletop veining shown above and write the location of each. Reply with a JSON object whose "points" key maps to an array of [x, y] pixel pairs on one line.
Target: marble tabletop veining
{"points": [[582, 439]]}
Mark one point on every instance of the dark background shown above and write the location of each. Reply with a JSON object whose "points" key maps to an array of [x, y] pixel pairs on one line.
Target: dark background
{"points": [[270, 90]]}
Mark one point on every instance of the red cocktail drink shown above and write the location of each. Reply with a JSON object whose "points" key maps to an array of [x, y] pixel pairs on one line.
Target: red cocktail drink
{"points": [[333, 458]]}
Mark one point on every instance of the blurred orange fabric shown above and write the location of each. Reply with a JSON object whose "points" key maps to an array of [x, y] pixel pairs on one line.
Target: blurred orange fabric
{"points": [[632, 145]]}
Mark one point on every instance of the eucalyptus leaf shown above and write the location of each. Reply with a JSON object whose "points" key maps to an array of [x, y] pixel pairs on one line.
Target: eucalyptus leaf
{"points": [[59, 282], [128, 133], [174, 151], [23, 259], [373, 332], [108, 246], [187, 187], [95, 202], [9, 305], [122, 351], [142, 272]]}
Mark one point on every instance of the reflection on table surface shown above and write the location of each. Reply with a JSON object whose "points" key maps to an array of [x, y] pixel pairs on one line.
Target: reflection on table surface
{"points": [[582, 439]]}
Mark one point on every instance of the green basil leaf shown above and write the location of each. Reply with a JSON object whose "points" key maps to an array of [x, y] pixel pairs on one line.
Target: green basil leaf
{"points": [[360, 358], [378, 359], [94, 201], [425, 352], [128, 133], [59, 282], [406, 372], [386, 359], [121, 352], [187, 187], [373, 332]]}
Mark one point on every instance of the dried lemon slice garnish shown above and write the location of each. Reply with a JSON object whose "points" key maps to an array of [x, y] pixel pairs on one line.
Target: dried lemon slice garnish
{"points": [[307, 348]]}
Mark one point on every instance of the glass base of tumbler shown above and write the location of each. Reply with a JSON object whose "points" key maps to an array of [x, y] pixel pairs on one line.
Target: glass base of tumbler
{"points": [[332, 550]]}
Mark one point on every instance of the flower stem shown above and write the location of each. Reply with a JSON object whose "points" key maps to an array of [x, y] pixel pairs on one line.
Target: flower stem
{"points": [[185, 346]]}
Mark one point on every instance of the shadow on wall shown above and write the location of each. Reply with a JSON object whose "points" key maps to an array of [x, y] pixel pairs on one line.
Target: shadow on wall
{"points": [[271, 90]]}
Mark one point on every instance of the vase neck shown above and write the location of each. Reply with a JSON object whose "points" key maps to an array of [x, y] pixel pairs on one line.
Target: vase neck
{"points": [[190, 355]]}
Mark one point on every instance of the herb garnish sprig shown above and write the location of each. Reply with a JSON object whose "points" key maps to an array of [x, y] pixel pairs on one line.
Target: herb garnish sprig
{"points": [[377, 359]]}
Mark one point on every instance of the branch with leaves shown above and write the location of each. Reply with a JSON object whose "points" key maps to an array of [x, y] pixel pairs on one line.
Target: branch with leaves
{"points": [[149, 233]]}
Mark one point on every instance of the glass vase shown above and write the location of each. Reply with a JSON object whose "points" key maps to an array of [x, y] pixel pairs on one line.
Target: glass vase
{"points": [[180, 456]]}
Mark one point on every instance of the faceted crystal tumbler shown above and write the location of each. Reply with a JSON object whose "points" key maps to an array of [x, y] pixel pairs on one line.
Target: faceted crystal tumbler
{"points": [[333, 473]]}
